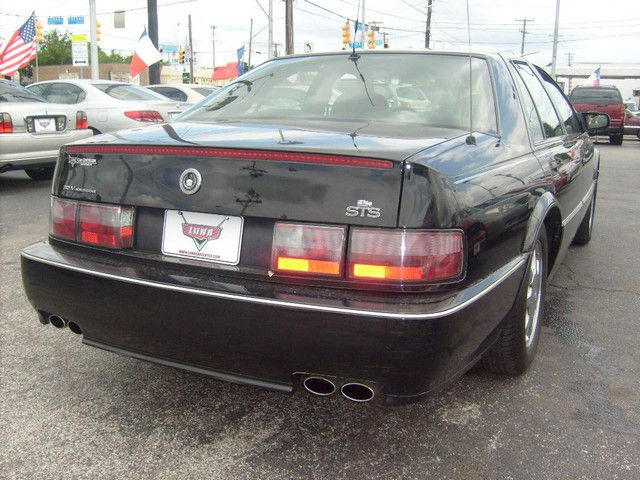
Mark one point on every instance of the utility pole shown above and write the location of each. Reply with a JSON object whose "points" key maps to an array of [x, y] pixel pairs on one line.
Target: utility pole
{"points": [[289, 27], [554, 55], [190, 53], [93, 29], [213, 46], [270, 39], [363, 36], [569, 57], [250, 40], [524, 30], [427, 31], [152, 18]]}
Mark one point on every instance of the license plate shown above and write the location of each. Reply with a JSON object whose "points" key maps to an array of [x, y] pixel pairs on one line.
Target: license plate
{"points": [[44, 125], [202, 236]]}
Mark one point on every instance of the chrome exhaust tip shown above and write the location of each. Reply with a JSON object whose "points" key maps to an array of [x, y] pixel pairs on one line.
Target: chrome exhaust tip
{"points": [[43, 317], [75, 328], [57, 321], [319, 386], [357, 392]]}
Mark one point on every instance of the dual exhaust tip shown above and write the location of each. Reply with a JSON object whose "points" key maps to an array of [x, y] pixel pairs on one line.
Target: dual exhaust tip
{"points": [[354, 391], [59, 322]]}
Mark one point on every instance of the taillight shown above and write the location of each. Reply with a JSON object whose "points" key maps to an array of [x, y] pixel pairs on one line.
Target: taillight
{"points": [[405, 255], [63, 218], [109, 226], [308, 249], [6, 125], [145, 116], [82, 123]]}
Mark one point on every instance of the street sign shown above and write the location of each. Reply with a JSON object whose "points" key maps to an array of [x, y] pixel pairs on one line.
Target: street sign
{"points": [[308, 47], [77, 20], [55, 20], [79, 50]]}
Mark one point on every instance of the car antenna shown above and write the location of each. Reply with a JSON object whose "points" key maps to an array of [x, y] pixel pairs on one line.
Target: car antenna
{"points": [[471, 140], [354, 56]]}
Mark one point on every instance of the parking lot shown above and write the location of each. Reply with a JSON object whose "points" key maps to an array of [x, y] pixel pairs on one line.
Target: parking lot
{"points": [[71, 411]]}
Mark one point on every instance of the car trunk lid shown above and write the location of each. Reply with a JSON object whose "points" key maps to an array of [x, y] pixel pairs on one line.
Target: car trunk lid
{"points": [[274, 172]]}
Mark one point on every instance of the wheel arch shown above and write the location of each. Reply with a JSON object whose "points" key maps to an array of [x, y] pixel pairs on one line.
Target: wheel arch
{"points": [[546, 214]]}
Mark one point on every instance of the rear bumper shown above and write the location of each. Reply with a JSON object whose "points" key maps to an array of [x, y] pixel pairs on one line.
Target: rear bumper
{"points": [[267, 335], [20, 150]]}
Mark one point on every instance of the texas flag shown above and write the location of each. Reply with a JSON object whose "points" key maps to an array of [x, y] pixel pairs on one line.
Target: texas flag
{"points": [[594, 78], [146, 54]]}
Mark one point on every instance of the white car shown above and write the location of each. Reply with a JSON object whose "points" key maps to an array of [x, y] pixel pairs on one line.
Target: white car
{"points": [[111, 105], [32, 131], [184, 92]]}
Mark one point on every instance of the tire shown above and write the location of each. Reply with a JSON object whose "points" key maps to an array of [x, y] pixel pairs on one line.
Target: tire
{"points": [[583, 235], [517, 343], [42, 173], [616, 139]]}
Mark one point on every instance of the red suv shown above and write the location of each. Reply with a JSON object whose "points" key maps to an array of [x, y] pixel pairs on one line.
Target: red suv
{"points": [[602, 99]]}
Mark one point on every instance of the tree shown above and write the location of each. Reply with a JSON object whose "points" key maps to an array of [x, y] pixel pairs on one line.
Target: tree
{"points": [[55, 49]]}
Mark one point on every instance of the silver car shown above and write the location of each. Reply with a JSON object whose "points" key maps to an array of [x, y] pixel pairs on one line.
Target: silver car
{"points": [[184, 92], [32, 131], [111, 105]]}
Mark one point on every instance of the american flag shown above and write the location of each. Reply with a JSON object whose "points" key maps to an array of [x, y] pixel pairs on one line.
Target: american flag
{"points": [[20, 49]]}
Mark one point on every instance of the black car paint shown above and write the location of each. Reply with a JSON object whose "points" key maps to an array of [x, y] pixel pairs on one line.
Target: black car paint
{"points": [[499, 191]]}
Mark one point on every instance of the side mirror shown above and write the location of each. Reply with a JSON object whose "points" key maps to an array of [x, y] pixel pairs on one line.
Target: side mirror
{"points": [[596, 122]]}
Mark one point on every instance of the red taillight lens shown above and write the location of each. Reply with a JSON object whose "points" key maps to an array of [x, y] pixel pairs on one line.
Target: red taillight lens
{"points": [[109, 226], [6, 125], [145, 116], [63, 218], [81, 120], [405, 255], [310, 249], [105, 225]]}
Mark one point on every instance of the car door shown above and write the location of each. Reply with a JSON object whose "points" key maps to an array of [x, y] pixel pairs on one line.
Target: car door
{"points": [[557, 150], [582, 152]]}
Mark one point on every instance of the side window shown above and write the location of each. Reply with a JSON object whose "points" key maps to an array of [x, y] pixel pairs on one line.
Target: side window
{"points": [[64, 93], [530, 112], [548, 116], [567, 115], [172, 93]]}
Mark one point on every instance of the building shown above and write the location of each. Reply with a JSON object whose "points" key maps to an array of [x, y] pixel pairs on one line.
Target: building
{"points": [[108, 71], [625, 76]]}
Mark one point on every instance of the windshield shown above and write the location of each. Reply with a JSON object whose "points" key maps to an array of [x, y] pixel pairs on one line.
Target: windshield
{"points": [[15, 93], [336, 88], [595, 96], [128, 92]]}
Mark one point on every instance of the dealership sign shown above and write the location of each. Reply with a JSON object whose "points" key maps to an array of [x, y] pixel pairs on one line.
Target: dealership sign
{"points": [[79, 50]]}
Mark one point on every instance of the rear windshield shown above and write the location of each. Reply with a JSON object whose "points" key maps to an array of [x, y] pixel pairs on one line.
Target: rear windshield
{"points": [[206, 91], [128, 92], [410, 90], [17, 93], [595, 96]]}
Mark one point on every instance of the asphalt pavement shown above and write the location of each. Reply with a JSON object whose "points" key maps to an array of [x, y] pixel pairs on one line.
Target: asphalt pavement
{"points": [[72, 411]]}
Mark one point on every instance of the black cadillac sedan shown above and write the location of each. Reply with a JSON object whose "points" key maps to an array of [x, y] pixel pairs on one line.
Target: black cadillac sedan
{"points": [[368, 225]]}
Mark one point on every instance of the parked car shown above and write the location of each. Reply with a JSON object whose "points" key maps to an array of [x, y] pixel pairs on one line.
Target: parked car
{"points": [[111, 105], [631, 106], [602, 99], [339, 246], [32, 131], [632, 123], [184, 92]]}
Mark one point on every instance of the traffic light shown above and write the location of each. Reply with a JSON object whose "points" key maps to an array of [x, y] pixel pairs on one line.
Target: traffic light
{"points": [[386, 42], [372, 39], [98, 31], [181, 56], [39, 35], [346, 34]]}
